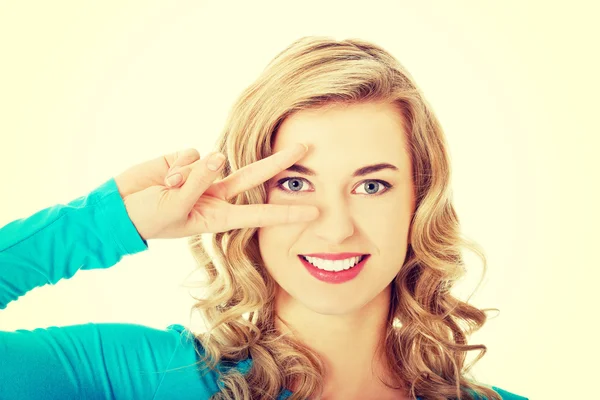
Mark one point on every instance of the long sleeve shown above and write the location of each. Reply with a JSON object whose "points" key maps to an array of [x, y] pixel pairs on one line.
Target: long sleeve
{"points": [[88, 361], [90, 232], [102, 361]]}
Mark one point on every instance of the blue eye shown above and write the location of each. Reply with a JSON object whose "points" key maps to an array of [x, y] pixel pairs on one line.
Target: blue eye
{"points": [[374, 186], [298, 183]]}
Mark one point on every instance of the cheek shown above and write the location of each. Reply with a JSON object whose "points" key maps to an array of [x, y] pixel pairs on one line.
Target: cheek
{"points": [[388, 230], [386, 233], [391, 217], [273, 242]]}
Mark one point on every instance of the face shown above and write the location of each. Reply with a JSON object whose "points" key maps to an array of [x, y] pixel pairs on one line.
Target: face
{"points": [[368, 213]]}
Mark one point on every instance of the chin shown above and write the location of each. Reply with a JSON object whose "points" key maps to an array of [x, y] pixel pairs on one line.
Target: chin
{"points": [[332, 303]]}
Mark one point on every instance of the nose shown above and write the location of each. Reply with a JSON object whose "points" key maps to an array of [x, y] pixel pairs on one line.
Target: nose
{"points": [[334, 223]]}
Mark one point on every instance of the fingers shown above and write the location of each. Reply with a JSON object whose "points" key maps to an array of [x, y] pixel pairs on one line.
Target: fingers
{"points": [[179, 166], [180, 158], [177, 176], [201, 176], [258, 172], [260, 215]]}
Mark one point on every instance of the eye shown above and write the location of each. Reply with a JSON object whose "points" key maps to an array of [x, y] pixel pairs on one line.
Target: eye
{"points": [[296, 184], [374, 185]]}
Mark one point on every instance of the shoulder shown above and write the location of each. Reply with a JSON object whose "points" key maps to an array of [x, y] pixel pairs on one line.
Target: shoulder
{"points": [[143, 360], [187, 370], [170, 358]]}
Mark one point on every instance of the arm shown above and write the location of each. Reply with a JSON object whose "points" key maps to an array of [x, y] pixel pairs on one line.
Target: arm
{"points": [[96, 361], [92, 361], [90, 232]]}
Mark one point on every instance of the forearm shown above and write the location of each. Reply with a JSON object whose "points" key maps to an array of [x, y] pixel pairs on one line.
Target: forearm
{"points": [[90, 232]]}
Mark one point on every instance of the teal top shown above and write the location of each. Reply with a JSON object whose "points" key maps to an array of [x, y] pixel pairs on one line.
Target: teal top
{"points": [[93, 361]]}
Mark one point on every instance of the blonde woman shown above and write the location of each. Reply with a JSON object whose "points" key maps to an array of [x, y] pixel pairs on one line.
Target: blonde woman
{"points": [[330, 264]]}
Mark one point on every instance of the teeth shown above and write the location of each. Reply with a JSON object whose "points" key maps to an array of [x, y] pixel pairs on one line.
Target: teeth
{"points": [[333, 265]]}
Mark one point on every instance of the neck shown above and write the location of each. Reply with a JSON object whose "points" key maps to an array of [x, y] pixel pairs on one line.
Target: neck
{"points": [[350, 345]]}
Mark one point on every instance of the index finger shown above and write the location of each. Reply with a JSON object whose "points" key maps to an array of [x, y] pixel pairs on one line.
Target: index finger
{"points": [[260, 171]]}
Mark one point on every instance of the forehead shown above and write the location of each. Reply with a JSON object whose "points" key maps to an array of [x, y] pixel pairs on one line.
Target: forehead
{"points": [[367, 132]]}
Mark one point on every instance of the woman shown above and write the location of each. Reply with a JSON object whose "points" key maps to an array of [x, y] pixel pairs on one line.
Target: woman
{"points": [[330, 269]]}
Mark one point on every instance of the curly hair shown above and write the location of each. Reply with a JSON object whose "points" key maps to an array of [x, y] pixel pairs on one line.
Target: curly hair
{"points": [[427, 328]]}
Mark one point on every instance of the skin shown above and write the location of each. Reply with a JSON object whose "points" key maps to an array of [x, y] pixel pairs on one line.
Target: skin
{"points": [[343, 322]]}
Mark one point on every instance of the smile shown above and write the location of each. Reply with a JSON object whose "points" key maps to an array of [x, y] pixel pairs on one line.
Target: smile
{"points": [[334, 265], [334, 271]]}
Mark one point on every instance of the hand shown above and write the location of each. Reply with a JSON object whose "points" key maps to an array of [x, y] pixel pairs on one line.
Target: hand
{"points": [[197, 204]]}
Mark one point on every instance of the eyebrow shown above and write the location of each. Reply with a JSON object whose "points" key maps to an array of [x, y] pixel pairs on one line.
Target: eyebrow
{"points": [[369, 169]]}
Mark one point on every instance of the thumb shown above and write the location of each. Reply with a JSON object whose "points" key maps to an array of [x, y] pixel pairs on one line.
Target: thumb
{"points": [[202, 175]]}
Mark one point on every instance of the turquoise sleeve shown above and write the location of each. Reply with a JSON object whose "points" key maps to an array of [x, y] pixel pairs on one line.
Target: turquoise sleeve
{"points": [[101, 361], [90, 232], [91, 361]]}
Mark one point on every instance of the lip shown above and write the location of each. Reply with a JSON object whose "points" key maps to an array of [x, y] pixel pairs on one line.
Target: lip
{"points": [[332, 276], [334, 256]]}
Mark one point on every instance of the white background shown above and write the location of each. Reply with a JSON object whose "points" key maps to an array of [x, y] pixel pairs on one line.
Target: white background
{"points": [[88, 90]]}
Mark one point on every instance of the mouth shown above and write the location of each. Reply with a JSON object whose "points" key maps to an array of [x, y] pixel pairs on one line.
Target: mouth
{"points": [[331, 271], [358, 258]]}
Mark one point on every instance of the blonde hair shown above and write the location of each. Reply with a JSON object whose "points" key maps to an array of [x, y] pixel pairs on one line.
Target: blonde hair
{"points": [[427, 327]]}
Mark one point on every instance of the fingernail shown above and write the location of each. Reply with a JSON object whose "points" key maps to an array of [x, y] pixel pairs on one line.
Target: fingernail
{"points": [[215, 161], [302, 144], [174, 179]]}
